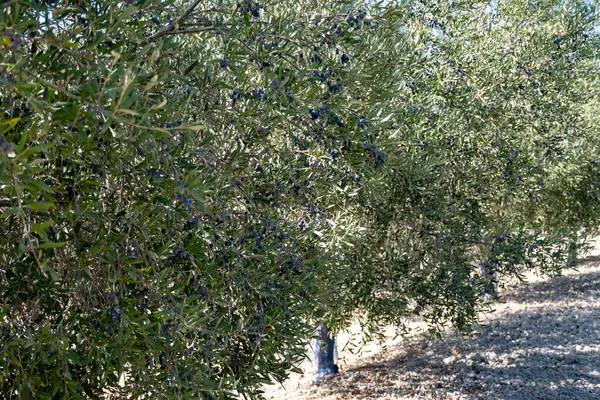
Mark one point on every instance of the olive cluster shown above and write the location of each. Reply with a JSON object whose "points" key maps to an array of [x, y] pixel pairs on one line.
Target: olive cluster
{"points": [[328, 76], [375, 153], [15, 108], [255, 93], [265, 40], [115, 309], [250, 7], [358, 19]]}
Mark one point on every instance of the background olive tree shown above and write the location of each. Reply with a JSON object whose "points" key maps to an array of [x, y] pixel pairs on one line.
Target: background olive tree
{"points": [[491, 158]]}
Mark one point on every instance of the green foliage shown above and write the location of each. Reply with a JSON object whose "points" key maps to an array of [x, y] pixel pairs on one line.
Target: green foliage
{"points": [[492, 157], [187, 187]]}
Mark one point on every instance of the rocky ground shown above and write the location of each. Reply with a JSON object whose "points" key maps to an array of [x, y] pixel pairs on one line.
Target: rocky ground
{"points": [[541, 342]]}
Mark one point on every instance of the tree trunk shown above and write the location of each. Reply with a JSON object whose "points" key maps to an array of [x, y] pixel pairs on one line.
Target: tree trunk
{"points": [[572, 253], [325, 353], [490, 278]]}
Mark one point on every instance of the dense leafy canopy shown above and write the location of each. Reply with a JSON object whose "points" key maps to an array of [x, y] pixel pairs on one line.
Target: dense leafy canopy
{"points": [[186, 187]]}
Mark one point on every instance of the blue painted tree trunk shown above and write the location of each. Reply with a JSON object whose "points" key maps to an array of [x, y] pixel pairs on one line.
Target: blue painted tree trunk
{"points": [[325, 353]]}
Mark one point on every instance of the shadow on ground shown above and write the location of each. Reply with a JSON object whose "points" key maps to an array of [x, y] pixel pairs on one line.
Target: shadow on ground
{"points": [[566, 288], [594, 258]]}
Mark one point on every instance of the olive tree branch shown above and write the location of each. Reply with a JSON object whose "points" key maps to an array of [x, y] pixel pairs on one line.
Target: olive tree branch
{"points": [[184, 31], [173, 25], [52, 85]]}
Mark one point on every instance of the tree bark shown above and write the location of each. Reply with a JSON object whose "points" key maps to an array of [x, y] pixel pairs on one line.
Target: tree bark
{"points": [[325, 353]]}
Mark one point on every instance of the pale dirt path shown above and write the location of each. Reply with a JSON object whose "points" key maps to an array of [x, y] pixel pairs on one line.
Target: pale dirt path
{"points": [[542, 342]]}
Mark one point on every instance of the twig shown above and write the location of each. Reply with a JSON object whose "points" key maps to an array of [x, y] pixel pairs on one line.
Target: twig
{"points": [[53, 86], [184, 31], [171, 27]]}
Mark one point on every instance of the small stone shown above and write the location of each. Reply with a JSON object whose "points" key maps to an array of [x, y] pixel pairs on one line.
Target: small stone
{"points": [[449, 360], [477, 358], [570, 359], [358, 377]]}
